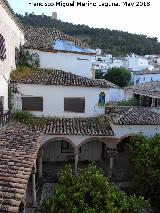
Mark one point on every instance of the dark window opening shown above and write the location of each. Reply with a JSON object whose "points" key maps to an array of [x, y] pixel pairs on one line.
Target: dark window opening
{"points": [[1, 105], [32, 103], [74, 105], [67, 147], [2, 48]]}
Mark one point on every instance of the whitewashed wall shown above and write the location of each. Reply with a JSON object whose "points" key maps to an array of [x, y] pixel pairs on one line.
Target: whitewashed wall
{"points": [[53, 98], [13, 37], [148, 130], [138, 64], [146, 78], [69, 62]]}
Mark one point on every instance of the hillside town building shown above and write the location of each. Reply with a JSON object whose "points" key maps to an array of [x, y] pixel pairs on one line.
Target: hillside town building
{"points": [[57, 93], [57, 50], [72, 120], [11, 37], [147, 75], [148, 93]]}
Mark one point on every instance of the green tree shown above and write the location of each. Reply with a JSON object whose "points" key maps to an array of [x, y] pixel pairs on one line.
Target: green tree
{"points": [[118, 76], [144, 153], [99, 74], [130, 102], [90, 192]]}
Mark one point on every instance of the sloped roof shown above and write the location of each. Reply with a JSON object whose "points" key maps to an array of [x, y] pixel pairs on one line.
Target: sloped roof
{"points": [[132, 116], [11, 13], [58, 77], [18, 152], [72, 126], [147, 71], [43, 38], [148, 89]]}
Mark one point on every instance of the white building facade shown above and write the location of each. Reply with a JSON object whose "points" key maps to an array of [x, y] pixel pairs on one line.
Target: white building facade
{"points": [[147, 77], [54, 95], [13, 36], [137, 63], [76, 63]]}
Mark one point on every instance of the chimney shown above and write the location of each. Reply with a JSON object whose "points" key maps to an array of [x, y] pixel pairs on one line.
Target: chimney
{"points": [[54, 15], [32, 13], [26, 13]]}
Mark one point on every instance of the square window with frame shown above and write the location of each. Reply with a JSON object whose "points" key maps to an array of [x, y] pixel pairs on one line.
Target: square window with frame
{"points": [[32, 103], [67, 147], [76, 105]]}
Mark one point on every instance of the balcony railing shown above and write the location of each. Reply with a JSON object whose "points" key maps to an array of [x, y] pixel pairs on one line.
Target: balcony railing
{"points": [[4, 119]]}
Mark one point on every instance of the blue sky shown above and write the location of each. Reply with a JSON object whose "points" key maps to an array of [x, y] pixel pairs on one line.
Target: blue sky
{"points": [[136, 19]]}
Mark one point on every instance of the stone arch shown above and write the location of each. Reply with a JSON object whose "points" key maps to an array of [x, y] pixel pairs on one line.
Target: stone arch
{"points": [[58, 139], [125, 136], [102, 140], [53, 156], [123, 170], [94, 149]]}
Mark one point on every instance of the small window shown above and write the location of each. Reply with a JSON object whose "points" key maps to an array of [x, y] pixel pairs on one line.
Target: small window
{"points": [[74, 105], [82, 59], [2, 48], [66, 147], [32, 103], [17, 56]]}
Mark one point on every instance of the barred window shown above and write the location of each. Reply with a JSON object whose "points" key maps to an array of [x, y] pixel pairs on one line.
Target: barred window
{"points": [[2, 48]]}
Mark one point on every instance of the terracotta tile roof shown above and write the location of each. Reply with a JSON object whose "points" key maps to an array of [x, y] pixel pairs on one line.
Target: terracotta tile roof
{"points": [[149, 89], [11, 13], [147, 71], [58, 77], [73, 126], [43, 38], [132, 116], [18, 152]]}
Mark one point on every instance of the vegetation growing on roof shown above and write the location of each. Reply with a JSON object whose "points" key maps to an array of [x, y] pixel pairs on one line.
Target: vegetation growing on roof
{"points": [[28, 118], [90, 192], [131, 102], [22, 72]]}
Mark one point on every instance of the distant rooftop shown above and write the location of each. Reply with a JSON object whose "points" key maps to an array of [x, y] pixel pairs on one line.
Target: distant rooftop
{"points": [[48, 39], [151, 89], [57, 77], [147, 71], [132, 116]]}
